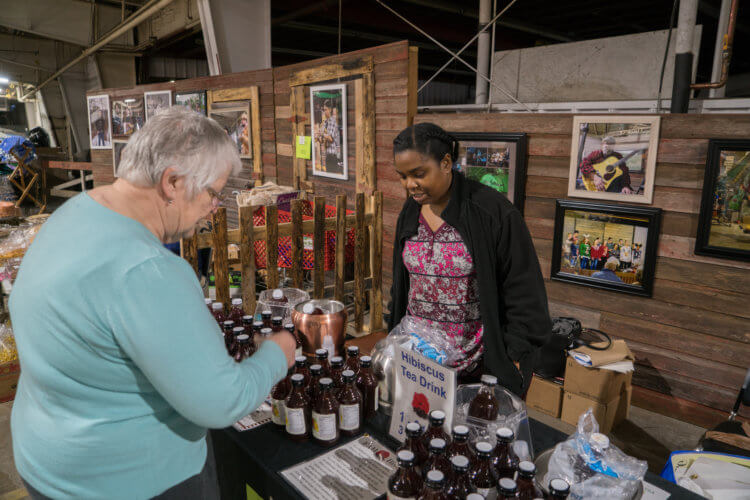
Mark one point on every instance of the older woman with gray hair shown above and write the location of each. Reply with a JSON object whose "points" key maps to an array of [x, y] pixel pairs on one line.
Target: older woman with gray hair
{"points": [[123, 369]]}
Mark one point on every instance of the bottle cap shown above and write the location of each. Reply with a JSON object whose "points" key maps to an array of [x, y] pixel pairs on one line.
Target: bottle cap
{"points": [[483, 448], [257, 324], [559, 486], [347, 375], [437, 444], [308, 308], [337, 360], [208, 301], [266, 332], [435, 477], [300, 360], [238, 330], [217, 305], [505, 434], [297, 379], [326, 382], [236, 302], [405, 457], [437, 416], [600, 440], [277, 319], [365, 361], [247, 318], [228, 323], [277, 294], [321, 353], [489, 379], [474, 496], [460, 462], [316, 369], [526, 469], [506, 486], [243, 338], [352, 350], [266, 312], [289, 327], [413, 428], [461, 430]]}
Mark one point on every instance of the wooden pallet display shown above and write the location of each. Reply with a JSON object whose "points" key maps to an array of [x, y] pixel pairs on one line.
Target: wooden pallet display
{"points": [[367, 278]]}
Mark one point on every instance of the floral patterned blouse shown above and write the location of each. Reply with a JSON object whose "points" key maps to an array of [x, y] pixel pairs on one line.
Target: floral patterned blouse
{"points": [[443, 288]]}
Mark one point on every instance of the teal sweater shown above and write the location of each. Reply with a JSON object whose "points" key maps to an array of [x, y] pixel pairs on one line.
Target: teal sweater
{"points": [[123, 368]]}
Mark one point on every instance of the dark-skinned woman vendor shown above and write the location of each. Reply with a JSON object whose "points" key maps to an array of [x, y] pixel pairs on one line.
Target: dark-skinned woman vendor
{"points": [[464, 262]]}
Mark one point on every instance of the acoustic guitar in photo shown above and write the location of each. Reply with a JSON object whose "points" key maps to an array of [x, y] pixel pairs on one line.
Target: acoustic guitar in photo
{"points": [[609, 170]]}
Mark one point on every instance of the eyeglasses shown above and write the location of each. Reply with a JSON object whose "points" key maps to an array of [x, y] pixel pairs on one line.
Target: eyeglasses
{"points": [[217, 199]]}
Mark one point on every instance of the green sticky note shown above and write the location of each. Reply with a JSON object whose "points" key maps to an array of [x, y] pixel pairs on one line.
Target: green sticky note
{"points": [[304, 147]]}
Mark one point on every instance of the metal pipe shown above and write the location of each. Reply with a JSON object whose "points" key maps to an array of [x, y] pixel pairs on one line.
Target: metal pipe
{"points": [[721, 29], [492, 54], [726, 51], [683, 64], [483, 54], [136, 18]]}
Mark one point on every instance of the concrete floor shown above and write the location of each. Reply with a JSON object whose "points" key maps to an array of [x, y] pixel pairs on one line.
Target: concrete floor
{"points": [[645, 435]]}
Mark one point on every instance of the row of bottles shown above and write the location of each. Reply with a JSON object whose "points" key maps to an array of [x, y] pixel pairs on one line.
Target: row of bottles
{"points": [[467, 479], [326, 399]]}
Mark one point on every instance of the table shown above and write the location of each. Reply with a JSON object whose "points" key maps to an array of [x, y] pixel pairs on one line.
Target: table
{"points": [[257, 457]]}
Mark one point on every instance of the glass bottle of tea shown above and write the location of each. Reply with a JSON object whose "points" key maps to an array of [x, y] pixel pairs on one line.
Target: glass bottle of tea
{"points": [[526, 482], [247, 322], [278, 295], [414, 444], [460, 444], [300, 366], [481, 472], [437, 459], [368, 386], [208, 302], [459, 484], [279, 393], [507, 488], [434, 485], [350, 406], [277, 324], [236, 312], [485, 404], [503, 457], [265, 317], [559, 489], [298, 410], [405, 483], [313, 389], [337, 368], [352, 358], [217, 309], [436, 430], [227, 327], [321, 357], [325, 413]]}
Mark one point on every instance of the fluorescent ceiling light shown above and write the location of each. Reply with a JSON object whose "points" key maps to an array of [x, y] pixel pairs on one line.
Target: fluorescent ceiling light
{"points": [[4, 80]]}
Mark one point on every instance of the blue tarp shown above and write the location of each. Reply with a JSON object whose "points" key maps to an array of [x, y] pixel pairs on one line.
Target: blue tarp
{"points": [[16, 143]]}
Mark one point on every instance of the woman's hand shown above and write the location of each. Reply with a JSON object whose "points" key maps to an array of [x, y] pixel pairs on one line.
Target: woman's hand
{"points": [[288, 344]]}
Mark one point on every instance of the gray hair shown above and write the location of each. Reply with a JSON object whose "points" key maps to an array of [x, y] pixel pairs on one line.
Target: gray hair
{"points": [[197, 147]]}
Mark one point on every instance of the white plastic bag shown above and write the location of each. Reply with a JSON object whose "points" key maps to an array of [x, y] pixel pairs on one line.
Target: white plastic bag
{"points": [[418, 335]]}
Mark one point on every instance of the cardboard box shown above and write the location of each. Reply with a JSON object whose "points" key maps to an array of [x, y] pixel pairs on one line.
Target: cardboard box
{"points": [[623, 410], [605, 413], [545, 396], [9, 373], [600, 385]]}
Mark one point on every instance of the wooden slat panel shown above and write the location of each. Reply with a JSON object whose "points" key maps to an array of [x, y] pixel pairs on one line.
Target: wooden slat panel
{"points": [[319, 247], [255, 116], [221, 256], [368, 133], [691, 151], [589, 318], [189, 248], [338, 292], [359, 140], [702, 297], [359, 264], [247, 258], [272, 246], [712, 275], [547, 123], [356, 66], [678, 247], [679, 224], [376, 293], [681, 409], [297, 243], [699, 126], [299, 119], [413, 85]]}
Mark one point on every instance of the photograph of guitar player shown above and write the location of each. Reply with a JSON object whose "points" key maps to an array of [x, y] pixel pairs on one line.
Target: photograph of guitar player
{"points": [[612, 175]]}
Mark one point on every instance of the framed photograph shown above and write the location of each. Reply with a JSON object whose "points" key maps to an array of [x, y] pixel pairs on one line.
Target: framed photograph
{"points": [[157, 101], [192, 100], [606, 246], [236, 121], [724, 221], [614, 158], [127, 116], [496, 160], [328, 112], [100, 125], [117, 146]]}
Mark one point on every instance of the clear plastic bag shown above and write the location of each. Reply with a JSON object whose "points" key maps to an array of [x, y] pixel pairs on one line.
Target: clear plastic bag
{"points": [[418, 335], [595, 468], [284, 308], [19, 239], [8, 350]]}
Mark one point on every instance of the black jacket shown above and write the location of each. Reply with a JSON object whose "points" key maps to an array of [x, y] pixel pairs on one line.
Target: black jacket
{"points": [[512, 298]]}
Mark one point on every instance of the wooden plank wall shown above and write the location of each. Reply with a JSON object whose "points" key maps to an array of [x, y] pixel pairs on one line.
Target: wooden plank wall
{"points": [[263, 79], [391, 116], [692, 339]]}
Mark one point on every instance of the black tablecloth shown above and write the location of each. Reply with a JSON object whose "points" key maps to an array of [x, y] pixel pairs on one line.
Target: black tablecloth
{"points": [[257, 457]]}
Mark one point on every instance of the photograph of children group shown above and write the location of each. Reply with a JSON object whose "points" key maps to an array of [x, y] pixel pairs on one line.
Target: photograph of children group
{"points": [[604, 246]]}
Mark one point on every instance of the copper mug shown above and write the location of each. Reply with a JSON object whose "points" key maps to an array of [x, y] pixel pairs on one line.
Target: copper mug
{"points": [[312, 328]]}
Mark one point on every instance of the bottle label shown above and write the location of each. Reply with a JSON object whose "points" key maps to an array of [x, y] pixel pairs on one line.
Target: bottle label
{"points": [[324, 426], [391, 496], [295, 421], [377, 397], [349, 417], [278, 411]]}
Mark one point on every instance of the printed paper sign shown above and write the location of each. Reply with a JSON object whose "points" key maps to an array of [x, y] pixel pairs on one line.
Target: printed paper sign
{"points": [[421, 386], [304, 147]]}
